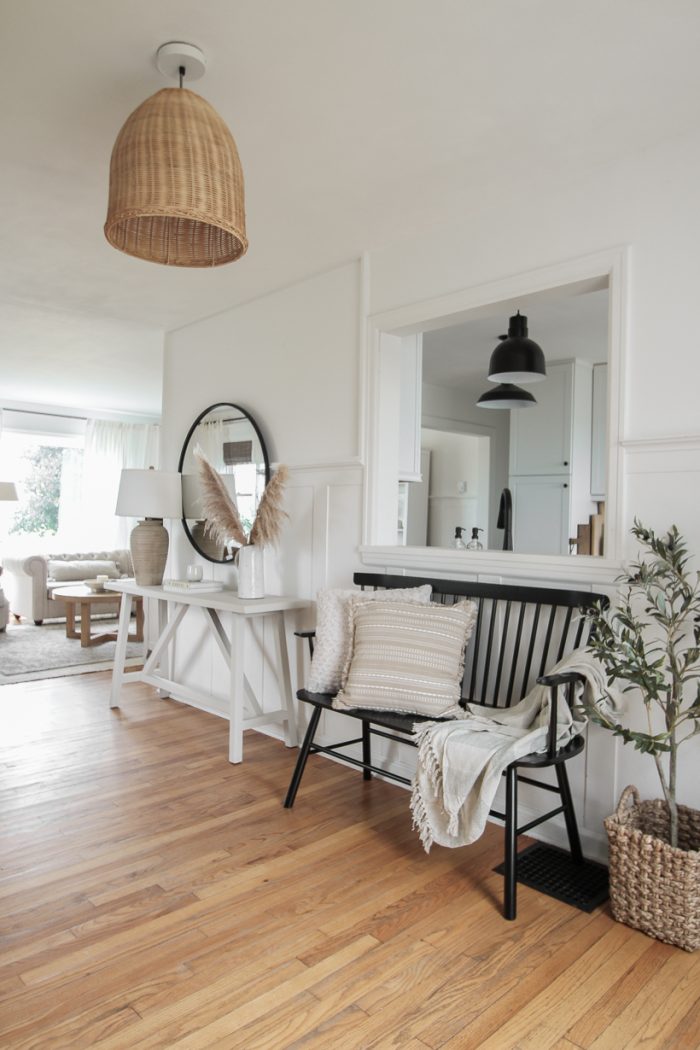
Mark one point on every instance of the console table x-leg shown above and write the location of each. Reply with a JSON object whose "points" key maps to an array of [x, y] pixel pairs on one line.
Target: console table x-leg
{"points": [[172, 610]]}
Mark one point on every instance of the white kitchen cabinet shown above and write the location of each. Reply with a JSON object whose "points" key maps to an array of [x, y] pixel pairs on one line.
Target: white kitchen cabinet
{"points": [[541, 436], [541, 513], [550, 460]]}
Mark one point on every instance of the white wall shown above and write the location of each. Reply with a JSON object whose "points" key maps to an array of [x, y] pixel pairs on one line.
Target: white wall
{"points": [[291, 360], [294, 358], [445, 407], [458, 484]]}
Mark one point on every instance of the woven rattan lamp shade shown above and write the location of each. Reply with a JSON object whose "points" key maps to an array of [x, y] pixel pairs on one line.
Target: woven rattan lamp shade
{"points": [[175, 184]]}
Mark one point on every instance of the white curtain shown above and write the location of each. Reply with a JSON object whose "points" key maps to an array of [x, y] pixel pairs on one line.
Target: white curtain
{"points": [[210, 438], [109, 447]]}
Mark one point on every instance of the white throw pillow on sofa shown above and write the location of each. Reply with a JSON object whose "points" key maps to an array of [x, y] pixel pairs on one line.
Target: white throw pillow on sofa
{"points": [[334, 635], [65, 571]]}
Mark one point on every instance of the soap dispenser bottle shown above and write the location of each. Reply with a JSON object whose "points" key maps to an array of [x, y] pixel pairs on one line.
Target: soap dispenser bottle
{"points": [[475, 543], [458, 542]]}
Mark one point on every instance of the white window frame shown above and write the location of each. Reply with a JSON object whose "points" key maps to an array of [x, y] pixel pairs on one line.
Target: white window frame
{"points": [[380, 421]]}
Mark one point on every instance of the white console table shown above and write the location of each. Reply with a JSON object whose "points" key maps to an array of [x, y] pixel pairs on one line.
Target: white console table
{"points": [[172, 609]]}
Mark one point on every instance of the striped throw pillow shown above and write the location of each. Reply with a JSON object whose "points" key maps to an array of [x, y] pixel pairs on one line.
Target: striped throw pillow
{"points": [[334, 630], [406, 657]]}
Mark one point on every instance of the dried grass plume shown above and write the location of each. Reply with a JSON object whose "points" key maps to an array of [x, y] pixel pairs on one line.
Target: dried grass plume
{"points": [[221, 513], [270, 517]]}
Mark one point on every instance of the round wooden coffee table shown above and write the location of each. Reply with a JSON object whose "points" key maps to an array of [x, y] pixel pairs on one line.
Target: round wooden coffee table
{"points": [[84, 600]]}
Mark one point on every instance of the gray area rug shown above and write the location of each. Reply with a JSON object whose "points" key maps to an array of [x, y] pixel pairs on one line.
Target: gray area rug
{"points": [[28, 653]]}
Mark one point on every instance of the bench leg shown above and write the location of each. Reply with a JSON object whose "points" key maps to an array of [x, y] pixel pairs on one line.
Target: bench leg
{"points": [[366, 750], [569, 813], [303, 756], [511, 838]]}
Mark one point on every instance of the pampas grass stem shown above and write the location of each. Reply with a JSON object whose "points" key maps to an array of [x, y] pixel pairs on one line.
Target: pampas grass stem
{"points": [[270, 517], [221, 513]]}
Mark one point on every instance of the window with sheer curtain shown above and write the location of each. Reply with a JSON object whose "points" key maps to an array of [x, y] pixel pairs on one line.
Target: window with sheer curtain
{"points": [[109, 448], [68, 477]]}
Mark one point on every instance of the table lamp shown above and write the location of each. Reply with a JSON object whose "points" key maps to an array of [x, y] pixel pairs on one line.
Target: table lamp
{"points": [[151, 495]]}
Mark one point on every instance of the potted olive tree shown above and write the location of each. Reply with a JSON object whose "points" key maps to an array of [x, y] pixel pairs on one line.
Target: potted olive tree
{"points": [[650, 645]]}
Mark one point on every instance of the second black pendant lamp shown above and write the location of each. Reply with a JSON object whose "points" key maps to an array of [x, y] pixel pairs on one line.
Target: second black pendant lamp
{"points": [[517, 359]]}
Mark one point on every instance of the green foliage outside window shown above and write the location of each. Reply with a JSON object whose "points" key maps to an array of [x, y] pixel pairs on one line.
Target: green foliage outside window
{"points": [[39, 512]]}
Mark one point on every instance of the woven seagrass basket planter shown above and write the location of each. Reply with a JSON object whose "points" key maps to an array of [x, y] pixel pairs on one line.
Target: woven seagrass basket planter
{"points": [[654, 886]]}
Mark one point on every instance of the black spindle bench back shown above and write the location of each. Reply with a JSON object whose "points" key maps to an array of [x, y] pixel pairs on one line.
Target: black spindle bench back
{"points": [[521, 632]]}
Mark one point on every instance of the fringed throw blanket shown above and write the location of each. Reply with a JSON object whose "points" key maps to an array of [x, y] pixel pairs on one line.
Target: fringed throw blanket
{"points": [[460, 762]]}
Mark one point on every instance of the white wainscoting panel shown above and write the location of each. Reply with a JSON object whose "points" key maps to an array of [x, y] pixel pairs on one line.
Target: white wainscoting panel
{"points": [[318, 549]]}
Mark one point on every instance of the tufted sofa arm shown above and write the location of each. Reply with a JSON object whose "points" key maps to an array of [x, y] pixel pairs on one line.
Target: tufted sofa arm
{"points": [[26, 583], [28, 587]]}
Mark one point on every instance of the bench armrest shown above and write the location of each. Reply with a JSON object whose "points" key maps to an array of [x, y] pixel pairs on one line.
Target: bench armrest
{"points": [[554, 682], [309, 635], [567, 678]]}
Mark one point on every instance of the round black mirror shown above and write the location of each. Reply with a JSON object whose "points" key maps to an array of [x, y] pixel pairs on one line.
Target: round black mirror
{"points": [[232, 442]]}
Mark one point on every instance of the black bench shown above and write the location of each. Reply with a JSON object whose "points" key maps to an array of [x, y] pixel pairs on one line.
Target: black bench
{"points": [[520, 631]]}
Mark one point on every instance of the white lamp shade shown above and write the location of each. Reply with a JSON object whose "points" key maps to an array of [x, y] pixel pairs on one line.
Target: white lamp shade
{"points": [[192, 494], [149, 494], [8, 490]]}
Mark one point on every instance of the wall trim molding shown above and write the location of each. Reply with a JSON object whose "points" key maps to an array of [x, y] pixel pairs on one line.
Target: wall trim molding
{"points": [[675, 454], [671, 443], [328, 465], [73, 412], [583, 571]]}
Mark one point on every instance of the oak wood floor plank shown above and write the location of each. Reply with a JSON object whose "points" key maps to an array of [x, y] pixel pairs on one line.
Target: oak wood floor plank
{"points": [[168, 875], [303, 1022], [605, 1010], [400, 991], [685, 1036], [651, 1015], [447, 1003], [504, 1001], [540, 1023], [84, 1031], [46, 1008], [153, 895], [198, 1033]]}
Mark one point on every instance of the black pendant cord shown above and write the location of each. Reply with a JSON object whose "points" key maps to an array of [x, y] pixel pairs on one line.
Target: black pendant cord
{"points": [[182, 74]]}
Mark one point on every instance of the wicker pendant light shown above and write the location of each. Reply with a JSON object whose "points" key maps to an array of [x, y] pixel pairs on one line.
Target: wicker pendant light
{"points": [[175, 183]]}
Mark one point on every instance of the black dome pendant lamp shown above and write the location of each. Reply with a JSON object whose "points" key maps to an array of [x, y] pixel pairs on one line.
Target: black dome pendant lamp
{"points": [[517, 359], [506, 395]]}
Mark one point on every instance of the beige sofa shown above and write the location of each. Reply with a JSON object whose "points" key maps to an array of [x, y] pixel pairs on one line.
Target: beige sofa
{"points": [[30, 582]]}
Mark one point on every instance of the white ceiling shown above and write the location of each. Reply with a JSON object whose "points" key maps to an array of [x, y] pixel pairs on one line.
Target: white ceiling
{"points": [[355, 120]]}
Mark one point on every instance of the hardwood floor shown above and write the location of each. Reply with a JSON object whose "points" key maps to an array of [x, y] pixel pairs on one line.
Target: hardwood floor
{"points": [[152, 895]]}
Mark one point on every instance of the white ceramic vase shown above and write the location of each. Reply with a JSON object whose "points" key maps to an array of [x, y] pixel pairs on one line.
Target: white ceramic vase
{"points": [[251, 581]]}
